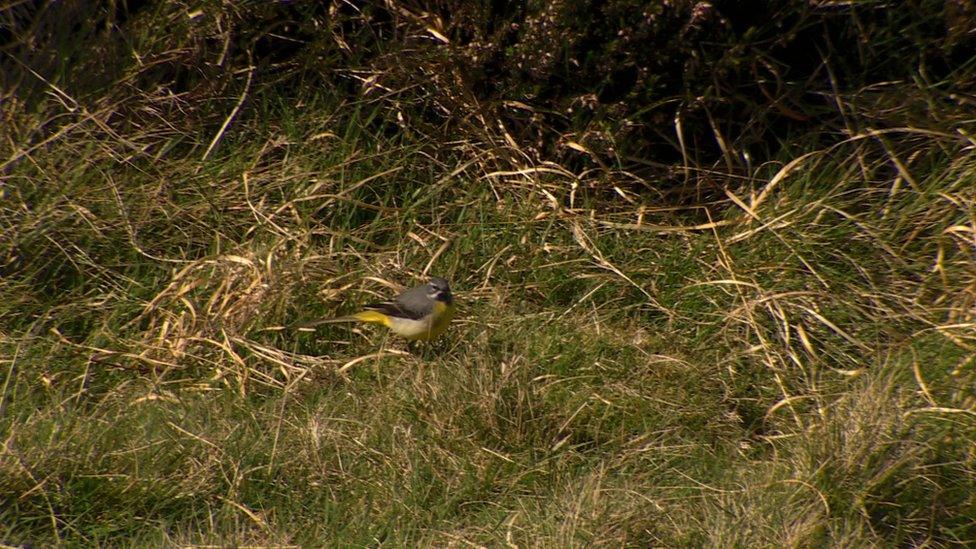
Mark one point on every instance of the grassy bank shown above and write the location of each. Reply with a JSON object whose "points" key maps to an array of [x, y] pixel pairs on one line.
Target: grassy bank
{"points": [[777, 357]]}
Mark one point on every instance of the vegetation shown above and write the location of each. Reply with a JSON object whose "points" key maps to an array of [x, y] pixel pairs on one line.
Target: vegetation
{"points": [[720, 292]]}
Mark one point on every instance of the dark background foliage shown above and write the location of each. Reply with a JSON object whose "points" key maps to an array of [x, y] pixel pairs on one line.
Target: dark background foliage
{"points": [[587, 83]]}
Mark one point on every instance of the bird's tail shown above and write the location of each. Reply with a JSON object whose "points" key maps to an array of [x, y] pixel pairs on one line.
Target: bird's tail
{"points": [[372, 317]]}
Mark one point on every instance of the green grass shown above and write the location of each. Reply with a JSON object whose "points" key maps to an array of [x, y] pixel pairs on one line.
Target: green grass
{"points": [[800, 374]]}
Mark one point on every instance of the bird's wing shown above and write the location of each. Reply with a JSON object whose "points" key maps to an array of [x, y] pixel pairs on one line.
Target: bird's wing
{"points": [[396, 310]]}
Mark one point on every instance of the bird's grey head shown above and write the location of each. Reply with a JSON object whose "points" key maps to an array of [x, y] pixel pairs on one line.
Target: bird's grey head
{"points": [[439, 290]]}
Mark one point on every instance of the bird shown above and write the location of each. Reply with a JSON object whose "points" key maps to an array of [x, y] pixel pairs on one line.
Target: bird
{"points": [[420, 313]]}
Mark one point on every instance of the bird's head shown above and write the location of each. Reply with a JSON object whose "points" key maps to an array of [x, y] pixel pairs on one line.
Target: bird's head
{"points": [[439, 290]]}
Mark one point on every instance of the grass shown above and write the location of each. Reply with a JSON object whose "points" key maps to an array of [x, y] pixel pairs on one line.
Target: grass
{"points": [[789, 363]]}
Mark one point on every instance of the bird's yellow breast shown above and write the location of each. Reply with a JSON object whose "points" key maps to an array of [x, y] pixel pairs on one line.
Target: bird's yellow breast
{"points": [[443, 314], [428, 327]]}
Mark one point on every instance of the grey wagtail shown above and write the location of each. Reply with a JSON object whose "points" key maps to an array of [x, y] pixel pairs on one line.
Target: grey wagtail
{"points": [[422, 312]]}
